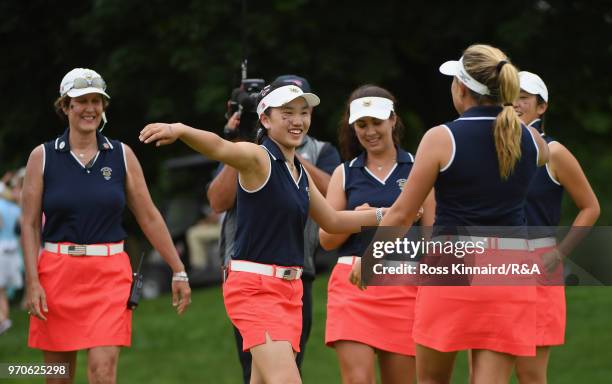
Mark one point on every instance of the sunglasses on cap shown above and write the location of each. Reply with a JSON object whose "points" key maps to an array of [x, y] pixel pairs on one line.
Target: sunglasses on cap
{"points": [[81, 82]]}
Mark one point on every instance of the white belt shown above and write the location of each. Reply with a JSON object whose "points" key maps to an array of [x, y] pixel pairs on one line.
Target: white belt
{"points": [[543, 242], [85, 249], [350, 260], [285, 273], [504, 243]]}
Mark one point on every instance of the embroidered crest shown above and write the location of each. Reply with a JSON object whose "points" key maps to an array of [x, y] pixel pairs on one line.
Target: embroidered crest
{"points": [[294, 90], [106, 172], [366, 103], [401, 183]]}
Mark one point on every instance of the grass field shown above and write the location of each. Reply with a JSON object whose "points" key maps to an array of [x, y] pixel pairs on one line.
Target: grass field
{"points": [[199, 346]]}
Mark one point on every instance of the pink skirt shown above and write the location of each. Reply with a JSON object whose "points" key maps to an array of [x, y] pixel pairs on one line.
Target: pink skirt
{"points": [[496, 318], [87, 300], [381, 317], [550, 312], [258, 304]]}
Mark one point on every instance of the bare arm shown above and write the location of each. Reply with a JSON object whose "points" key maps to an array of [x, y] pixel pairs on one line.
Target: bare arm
{"points": [[320, 178], [333, 221], [251, 161], [336, 198], [434, 151], [566, 169], [31, 221], [152, 224], [222, 190]]}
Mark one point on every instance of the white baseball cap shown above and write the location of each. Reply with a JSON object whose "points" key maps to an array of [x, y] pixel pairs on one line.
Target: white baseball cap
{"points": [[532, 83], [377, 107], [81, 81], [278, 96], [456, 68]]}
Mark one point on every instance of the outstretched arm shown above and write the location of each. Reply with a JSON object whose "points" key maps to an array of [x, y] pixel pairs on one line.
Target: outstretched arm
{"points": [[333, 221], [241, 155], [337, 200]]}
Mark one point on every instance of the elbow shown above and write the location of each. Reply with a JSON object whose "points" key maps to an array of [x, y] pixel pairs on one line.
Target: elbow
{"points": [[325, 241], [219, 205], [595, 211]]}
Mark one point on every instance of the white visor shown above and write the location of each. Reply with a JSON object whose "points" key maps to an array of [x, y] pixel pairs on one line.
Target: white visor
{"points": [[532, 83], [456, 68], [377, 107], [283, 95]]}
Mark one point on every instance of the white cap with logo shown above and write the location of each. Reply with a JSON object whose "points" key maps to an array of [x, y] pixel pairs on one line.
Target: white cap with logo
{"points": [[277, 97], [532, 83], [81, 81], [377, 107]]}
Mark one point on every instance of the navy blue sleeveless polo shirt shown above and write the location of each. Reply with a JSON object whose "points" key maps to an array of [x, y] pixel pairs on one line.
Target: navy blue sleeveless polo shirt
{"points": [[361, 186], [545, 195], [271, 220], [83, 205], [470, 190]]}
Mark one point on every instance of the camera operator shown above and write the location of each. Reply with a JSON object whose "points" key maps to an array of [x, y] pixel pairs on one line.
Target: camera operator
{"points": [[320, 159]]}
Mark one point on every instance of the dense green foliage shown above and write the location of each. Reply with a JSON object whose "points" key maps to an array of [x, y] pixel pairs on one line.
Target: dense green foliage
{"points": [[178, 61]]}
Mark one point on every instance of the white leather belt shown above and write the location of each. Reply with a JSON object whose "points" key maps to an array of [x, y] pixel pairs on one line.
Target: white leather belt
{"points": [[350, 260], [502, 242], [285, 273], [85, 249], [544, 242]]}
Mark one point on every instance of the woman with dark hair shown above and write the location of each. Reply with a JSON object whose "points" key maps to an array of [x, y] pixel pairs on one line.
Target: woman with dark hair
{"points": [[480, 165], [377, 321], [275, 195], [78, 286], [543, 211]]}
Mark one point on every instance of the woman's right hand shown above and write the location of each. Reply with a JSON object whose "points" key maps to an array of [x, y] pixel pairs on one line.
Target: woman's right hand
{"points": [[36, 300], [160, 133]]}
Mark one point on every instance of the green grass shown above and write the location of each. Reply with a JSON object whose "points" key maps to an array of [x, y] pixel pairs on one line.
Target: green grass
{"points": [[198, 347]]}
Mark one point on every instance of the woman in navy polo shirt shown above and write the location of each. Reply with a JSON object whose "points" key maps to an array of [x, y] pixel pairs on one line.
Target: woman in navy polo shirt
{"points": [[481, 165], [78, 288], [263, 291], [377, 321], [543, 211]]}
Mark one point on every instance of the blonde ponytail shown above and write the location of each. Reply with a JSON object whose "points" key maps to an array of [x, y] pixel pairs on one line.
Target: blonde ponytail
{"points": [[507, 130], [491, 67]]}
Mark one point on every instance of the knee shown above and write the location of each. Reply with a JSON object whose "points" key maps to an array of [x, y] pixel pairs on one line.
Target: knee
{"points": [[284, 380], [358, 376], [530, 376], [103, 371]]}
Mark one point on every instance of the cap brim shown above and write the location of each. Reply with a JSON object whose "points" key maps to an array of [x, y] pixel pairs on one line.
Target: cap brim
{"points": [[84, 91], [312, 99], [377, 113], [450, 68]]}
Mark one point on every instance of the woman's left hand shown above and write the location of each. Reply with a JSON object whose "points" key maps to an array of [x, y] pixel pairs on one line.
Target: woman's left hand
{"points": [[355, 276], [160, 133], [181, 296]]}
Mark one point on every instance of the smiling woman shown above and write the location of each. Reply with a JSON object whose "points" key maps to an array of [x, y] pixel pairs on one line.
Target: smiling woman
{"points": [[78, 286], [263, 290]]}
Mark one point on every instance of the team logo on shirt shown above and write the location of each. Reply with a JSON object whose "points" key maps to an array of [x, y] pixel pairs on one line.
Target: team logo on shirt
{"points": [[106, 172], [401, 183], [308, 192]]}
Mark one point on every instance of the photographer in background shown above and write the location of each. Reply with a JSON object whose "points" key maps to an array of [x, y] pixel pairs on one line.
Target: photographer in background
{"points": [[318, 157]]}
